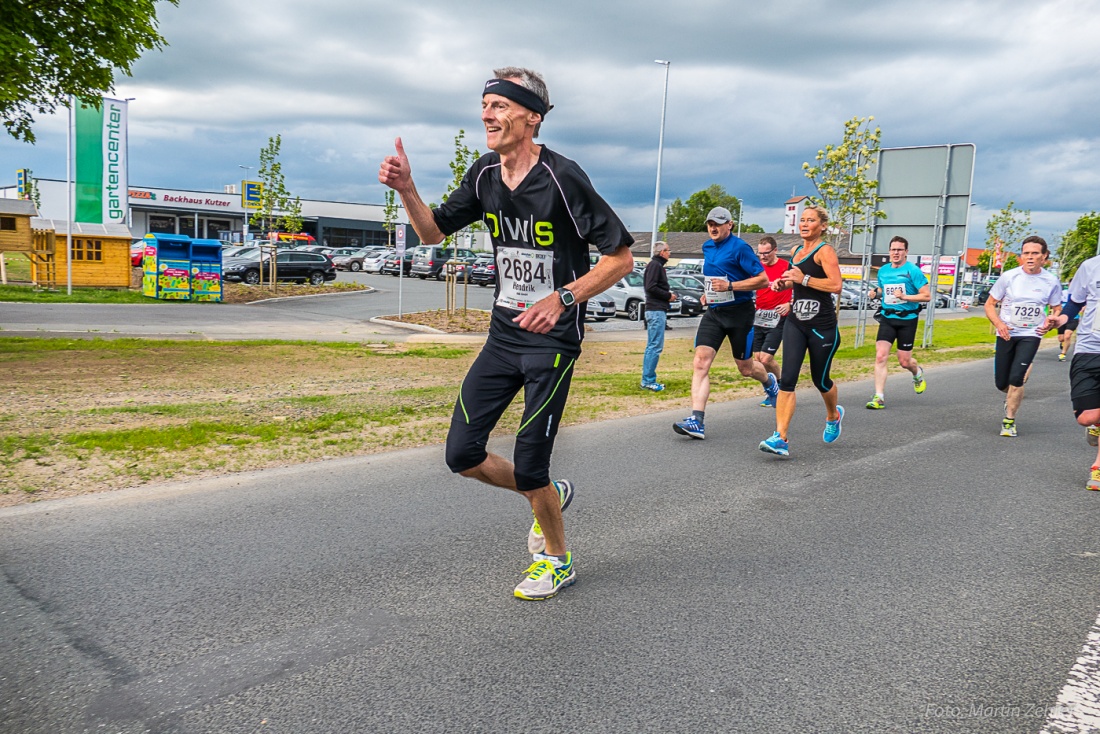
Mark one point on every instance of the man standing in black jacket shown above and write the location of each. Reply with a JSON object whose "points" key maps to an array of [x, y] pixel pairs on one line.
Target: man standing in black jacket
{"points": [[657, 298]]}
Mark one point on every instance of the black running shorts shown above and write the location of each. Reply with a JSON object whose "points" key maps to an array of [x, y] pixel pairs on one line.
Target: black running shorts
{"points": [[768, 340], [494, 380], [1011, 360], [1070, 325], [734, 322], [1084, 382], [902, 331]]}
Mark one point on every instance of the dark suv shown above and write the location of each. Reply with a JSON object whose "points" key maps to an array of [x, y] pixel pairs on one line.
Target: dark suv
{"points": [[428, 260], [292, 265]]}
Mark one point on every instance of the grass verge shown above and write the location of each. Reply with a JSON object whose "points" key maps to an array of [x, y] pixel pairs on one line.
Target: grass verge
{"points": [[90, 415]]}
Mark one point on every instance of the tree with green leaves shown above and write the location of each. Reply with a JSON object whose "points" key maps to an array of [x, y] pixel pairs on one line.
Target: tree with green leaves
{"points": [[277, 208], [840, 176], [389, 215], [464, 158], [985, 260], [691, 215], [1009, 226], [1079, 244], [51, 50]]}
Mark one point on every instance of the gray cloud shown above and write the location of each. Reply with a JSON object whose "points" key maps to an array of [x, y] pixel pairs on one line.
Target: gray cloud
{"points": [[755, 90]]}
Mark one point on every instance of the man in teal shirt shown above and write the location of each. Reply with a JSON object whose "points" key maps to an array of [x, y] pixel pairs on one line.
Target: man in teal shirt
{"points": [[902, 288]]}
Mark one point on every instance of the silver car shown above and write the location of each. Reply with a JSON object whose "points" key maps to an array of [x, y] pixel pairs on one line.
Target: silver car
{"points": [[629, 297]]}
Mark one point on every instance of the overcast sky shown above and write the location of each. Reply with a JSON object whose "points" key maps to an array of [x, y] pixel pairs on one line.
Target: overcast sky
{"points": [[755, 89]]}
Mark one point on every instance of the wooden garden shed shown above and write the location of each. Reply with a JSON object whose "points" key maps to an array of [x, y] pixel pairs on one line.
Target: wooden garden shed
{"points": [[15, 225], [101, 254]]}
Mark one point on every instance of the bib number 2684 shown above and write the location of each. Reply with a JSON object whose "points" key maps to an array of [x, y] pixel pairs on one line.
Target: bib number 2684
{"points": [[526, 277]]}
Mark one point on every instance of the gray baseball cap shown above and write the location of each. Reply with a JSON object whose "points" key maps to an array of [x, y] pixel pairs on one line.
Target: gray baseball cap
{"points": [[720, 215]]}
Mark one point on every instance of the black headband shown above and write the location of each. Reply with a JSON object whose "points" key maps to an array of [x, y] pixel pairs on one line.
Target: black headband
{"points": [[518, 94]]}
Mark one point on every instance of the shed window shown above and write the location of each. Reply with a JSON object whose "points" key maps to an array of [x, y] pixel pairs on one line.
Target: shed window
{"points": [[88, 250], [7, 223]]}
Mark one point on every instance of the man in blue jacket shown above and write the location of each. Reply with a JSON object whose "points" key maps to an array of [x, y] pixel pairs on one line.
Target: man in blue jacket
{"points": [[731, 274]]}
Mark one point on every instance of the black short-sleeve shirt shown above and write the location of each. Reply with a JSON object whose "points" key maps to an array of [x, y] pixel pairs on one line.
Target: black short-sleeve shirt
{"points": [[553, 213]]}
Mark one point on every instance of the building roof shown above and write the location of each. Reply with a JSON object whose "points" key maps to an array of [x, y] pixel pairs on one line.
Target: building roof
{"points": [[796, 199], [18, 206], [83, 228], [690, 244]]}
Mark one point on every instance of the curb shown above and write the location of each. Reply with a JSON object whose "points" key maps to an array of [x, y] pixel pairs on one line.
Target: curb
{"points": [[404, 325]]}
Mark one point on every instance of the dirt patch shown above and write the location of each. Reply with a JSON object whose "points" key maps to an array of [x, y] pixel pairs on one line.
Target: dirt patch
{"points": [[469, 321]]}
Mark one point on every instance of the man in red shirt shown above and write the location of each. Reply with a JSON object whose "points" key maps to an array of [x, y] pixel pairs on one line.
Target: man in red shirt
{"points": [[771, 312]]}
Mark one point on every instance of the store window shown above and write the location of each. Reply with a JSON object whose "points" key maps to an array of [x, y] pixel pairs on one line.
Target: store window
{"points": [[187, 226], [87, 250], [162, 224], [215, 228]]}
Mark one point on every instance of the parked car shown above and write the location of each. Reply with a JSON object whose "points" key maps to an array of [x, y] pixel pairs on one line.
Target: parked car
{"points": [[350, 259], [629, 296], [428, 260], [689, 291], [137, 252], [600, 307], [373, 262], [390, 264], [293, 265], [483, 271], [687, 266], [972, 296]]}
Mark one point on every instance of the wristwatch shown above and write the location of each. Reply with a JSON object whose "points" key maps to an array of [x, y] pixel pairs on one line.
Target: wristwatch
{"points": [[566, 296], [806, 281]]}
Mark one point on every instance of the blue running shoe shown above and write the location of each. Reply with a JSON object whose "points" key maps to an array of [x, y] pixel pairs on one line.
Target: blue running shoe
{"points": [[774, 444], [772, 389], [832, 428], [689, 427]]}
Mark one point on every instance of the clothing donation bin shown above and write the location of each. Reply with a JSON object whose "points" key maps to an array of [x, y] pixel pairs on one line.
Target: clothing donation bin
{"points": [[206, 270], [176, 267]]}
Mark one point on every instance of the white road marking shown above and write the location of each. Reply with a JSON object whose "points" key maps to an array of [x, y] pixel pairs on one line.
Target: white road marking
{"points": [[1077, 710]]}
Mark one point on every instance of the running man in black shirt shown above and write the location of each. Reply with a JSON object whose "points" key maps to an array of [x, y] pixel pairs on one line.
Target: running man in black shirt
{"points": [[542, 212]]}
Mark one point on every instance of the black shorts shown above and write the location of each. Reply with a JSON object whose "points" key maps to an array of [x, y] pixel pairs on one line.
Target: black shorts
{"points": [[768, 340], [1070, 325], [904, 332], [734, 322], [494, 380], [1011, 360], [1084, 382]]}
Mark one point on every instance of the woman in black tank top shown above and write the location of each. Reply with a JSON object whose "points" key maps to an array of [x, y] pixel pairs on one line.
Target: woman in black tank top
{"points": [[811, 328]]}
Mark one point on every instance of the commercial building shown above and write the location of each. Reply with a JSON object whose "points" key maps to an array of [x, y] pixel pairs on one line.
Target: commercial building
{"points": [[221, 215]]}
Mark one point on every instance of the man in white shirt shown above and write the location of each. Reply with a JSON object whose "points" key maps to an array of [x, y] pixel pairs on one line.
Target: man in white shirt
{"points": [[1018, 309], [1084, 370]]}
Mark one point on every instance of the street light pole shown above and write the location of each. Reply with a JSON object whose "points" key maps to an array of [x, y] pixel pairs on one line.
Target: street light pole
{"points": [[244, 231], [660, 152]]}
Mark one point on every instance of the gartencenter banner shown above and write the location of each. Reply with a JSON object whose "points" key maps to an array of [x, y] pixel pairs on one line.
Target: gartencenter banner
{"points": [[101, 185]]}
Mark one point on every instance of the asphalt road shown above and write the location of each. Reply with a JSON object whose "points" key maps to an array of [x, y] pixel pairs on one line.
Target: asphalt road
{"points": [[922, 574]]}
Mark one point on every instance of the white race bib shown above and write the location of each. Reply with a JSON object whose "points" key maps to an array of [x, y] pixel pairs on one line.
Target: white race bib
{"points": [[891, 294], [805, 309], [525, 276], [713, 296], [767, 319], [1024, 315]]}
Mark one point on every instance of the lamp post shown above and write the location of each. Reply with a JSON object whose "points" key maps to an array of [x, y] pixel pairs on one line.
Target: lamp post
{"points": [[244, 231], [660, 152], [129, 211]]}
